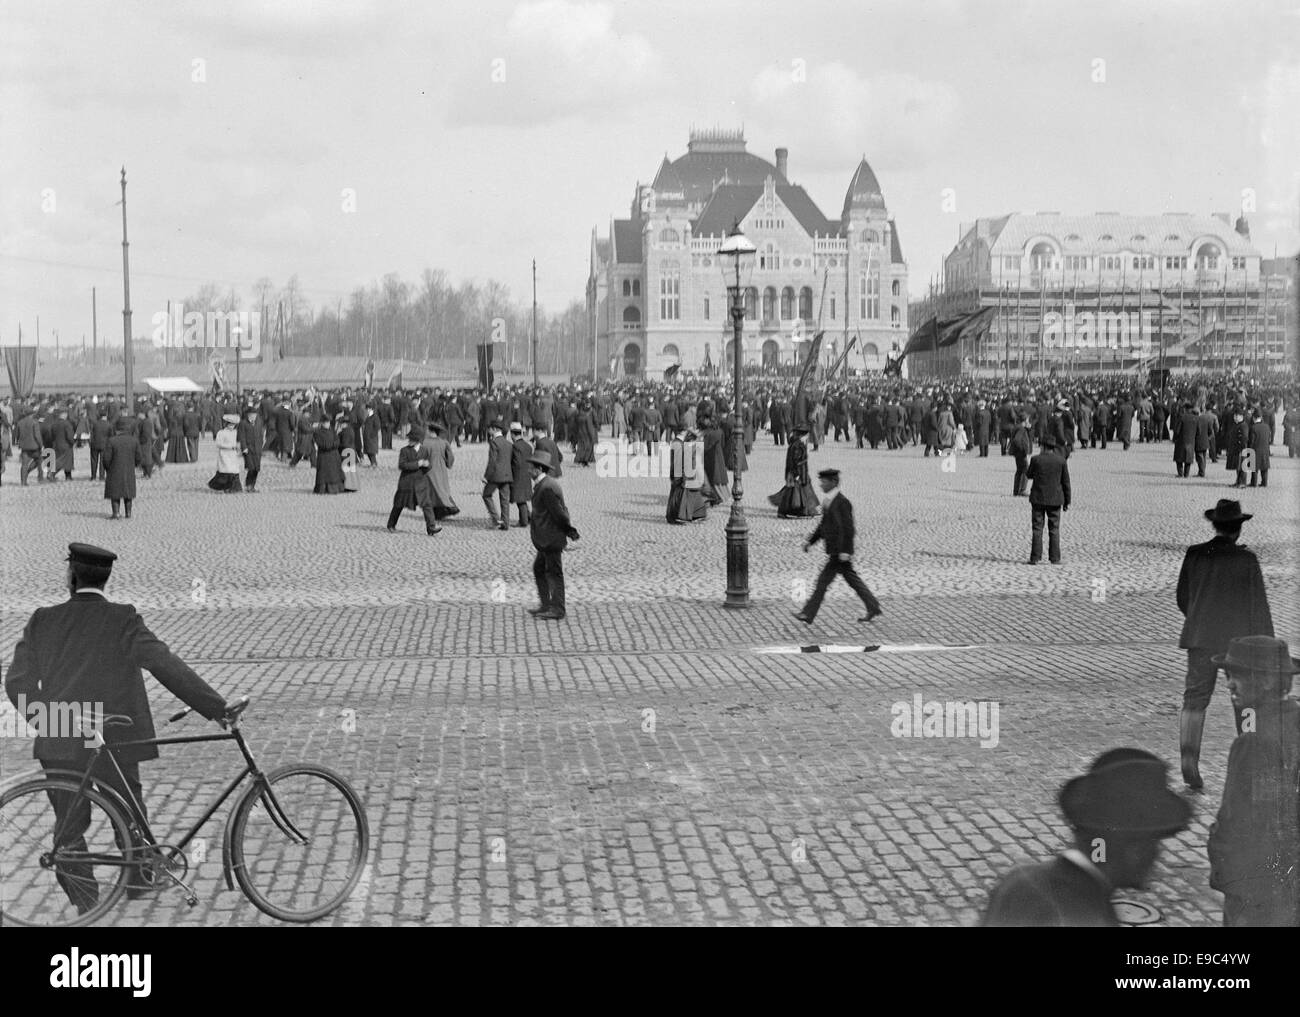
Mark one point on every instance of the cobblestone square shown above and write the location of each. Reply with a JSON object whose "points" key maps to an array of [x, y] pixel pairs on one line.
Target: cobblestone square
{"points": [[650, 759]]}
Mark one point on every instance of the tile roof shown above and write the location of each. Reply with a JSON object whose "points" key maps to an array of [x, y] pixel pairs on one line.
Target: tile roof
{"points": [[1109, 233], [864, 190], [895, 248], [627, 241], [732, 201], [699, 172]]}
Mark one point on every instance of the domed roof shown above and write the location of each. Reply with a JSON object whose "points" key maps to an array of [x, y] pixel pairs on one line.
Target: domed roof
{"points": [[864, 190]]}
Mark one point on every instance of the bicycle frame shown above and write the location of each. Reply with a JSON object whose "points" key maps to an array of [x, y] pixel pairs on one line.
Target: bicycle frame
{"points": [[136, 812]]}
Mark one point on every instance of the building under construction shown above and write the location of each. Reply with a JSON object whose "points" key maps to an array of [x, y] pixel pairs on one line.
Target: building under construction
{"points": [[1111, 292]]}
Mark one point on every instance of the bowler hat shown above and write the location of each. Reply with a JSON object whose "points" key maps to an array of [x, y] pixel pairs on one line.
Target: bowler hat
{"points": [[1258, 653], [542, 459], [1049, 441], [89, 554], [1124, 791], [1227, 511], [799, 429], [230, 418], [828, 475], [415, 434]]}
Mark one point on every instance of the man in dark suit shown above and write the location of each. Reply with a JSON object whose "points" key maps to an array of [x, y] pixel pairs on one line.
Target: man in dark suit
{"points": [[498, 475], [249, 435], [1222, 596], [1207, 426], [543, 442], [836, 528], [87, 654], [551, 531], [521, 485], [100, 431], [1048, 498], [1120, 811]]}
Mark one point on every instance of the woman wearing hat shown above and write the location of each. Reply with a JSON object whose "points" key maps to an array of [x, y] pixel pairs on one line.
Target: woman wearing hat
{"points": [[584, 435], [229, 460], [1254, 846], [797, 498], [686, 503]]}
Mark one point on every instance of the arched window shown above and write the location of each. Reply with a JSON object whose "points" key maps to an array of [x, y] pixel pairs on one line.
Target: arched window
{"points": [[769, 259], [771, 354], [1207, 257], [769, 303], [751, 303], [1040, 258], [671, 351], [670, 294], [895, 316], [787, 303], [669, 236], [871, 350], [896, 290], [805, 303], [627, 287], [631, 317], [632, 359], [869, 296]]}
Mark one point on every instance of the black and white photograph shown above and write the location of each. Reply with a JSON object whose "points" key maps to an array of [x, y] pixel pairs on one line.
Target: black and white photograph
{"points": [[579, 463]]}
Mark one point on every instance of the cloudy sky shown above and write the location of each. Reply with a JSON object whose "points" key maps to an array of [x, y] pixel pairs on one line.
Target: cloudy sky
{"points": [[475, 136]]}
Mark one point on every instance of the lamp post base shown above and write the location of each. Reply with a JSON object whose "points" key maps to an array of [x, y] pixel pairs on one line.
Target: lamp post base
{"points": [[737, 558]]}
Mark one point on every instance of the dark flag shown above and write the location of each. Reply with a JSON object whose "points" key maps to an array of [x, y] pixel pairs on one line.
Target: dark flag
{"points": [[842, 359], [671, 372], [20, 362], [814, 350], [485, 373]]}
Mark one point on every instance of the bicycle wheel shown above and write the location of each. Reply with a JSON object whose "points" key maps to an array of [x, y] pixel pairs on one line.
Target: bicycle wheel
{"points": [[289, 879], [73, 883]]}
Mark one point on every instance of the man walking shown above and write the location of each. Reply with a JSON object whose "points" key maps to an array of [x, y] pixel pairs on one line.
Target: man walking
{"points": [[1021, 444], [250, 445], [497, 476], [1222, 596], [30, 445], [836, 528], [1048, 498], [551, 531], [90, 650]]}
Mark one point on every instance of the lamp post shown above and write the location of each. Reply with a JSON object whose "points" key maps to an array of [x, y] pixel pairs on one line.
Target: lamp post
{"points": [[237, 333], [736, 255]]}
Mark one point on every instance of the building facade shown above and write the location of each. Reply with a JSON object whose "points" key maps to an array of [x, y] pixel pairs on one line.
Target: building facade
{"points": [[1113, 292], [656, 292]]}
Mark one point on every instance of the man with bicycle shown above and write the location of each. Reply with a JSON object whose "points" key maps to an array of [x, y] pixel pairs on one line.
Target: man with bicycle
{"points": [[89, 650]]}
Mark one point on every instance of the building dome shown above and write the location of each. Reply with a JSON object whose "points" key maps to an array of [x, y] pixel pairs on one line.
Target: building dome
{"points": [[864, 190]]}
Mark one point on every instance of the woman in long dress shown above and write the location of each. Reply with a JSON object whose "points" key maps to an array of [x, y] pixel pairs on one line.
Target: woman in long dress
{"points": [[229, 461], [715, 463], [584, 436], [686, 503], [797, 498], [437, 450], [178, 450], [348, 439], [329, 461]]}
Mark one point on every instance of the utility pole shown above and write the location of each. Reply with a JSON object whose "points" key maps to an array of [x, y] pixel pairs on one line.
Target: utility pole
{"points": [[94, 328], [534, 350], [168, 341], [128, 354]]}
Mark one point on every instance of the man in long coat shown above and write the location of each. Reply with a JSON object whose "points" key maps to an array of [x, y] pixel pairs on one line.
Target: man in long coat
{"points": [[521, 484], [250, 444], [436, 450], [1184, 434], [1261, 436], [122, 455], [1222, 596]]}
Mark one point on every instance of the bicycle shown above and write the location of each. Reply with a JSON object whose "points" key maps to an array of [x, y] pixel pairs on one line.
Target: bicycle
{"points": [[294, 834]]}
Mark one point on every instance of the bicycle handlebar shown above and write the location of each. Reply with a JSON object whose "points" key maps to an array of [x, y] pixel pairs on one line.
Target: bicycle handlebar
{"points": [[231, 716]]}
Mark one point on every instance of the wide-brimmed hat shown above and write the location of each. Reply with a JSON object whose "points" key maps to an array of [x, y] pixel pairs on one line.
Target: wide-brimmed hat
{"points": [[829, 475], [1125, 791], [542, 459], [230, 418], [415, 434], [439, 428], [1258, 653], [799, 429], [1227, 511]]}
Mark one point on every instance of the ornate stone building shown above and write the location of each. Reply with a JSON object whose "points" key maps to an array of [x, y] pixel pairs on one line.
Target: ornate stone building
{"points": [[656, 294]]}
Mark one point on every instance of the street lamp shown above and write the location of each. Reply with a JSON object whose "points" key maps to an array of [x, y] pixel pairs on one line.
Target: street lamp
{"points": [[736, 258]]}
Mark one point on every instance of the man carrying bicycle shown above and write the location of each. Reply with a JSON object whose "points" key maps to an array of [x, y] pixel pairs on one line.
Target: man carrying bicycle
{"points": [[89, 651]]}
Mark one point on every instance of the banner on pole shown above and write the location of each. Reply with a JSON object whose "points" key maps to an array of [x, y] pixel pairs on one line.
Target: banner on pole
{"points": [[20, 362], [810, 361]]}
